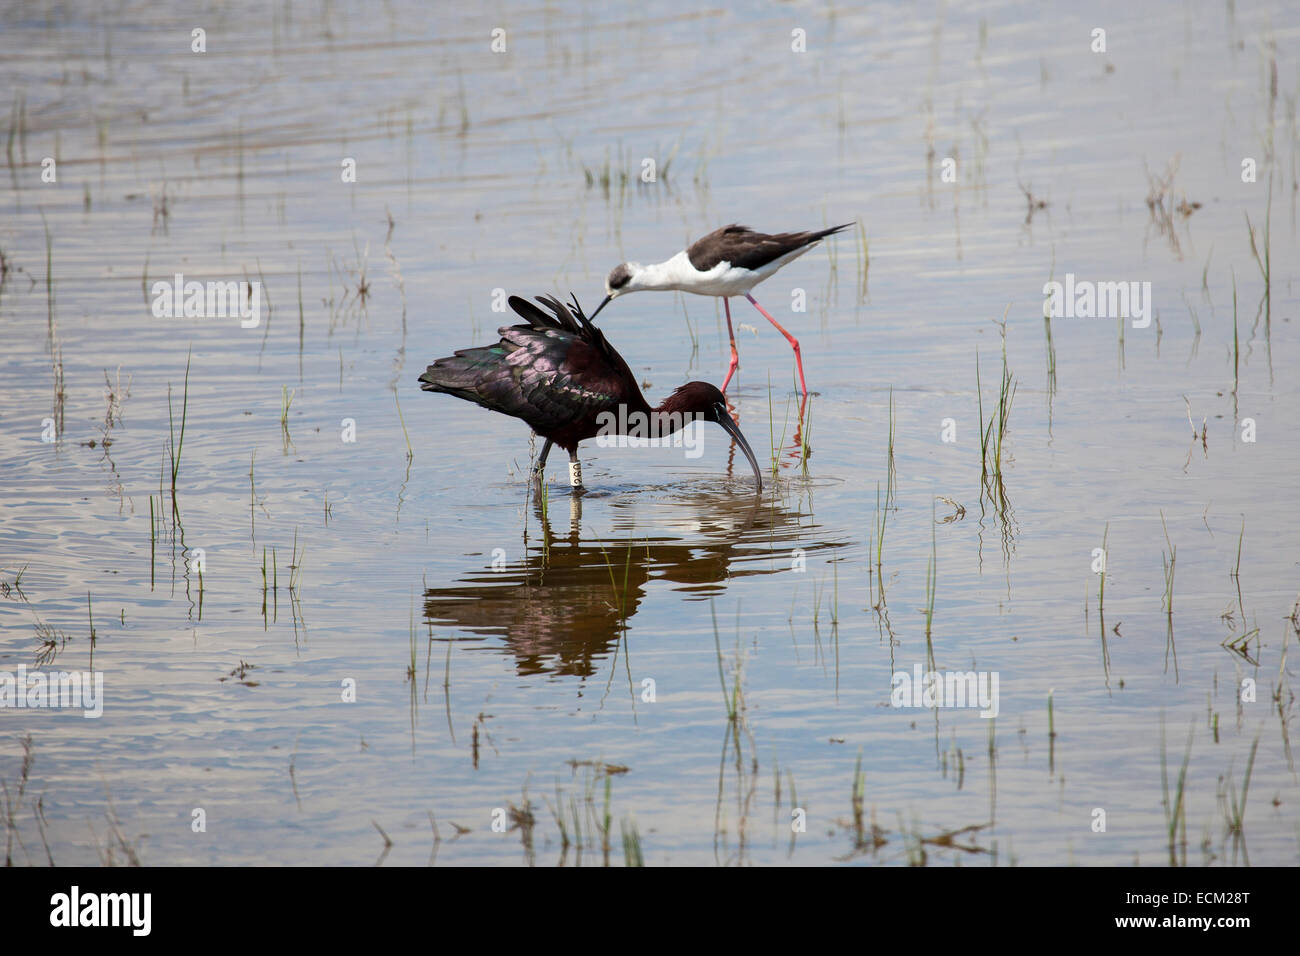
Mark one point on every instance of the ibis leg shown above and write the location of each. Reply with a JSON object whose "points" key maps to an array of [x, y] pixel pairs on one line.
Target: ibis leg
{"points": [[540, 467], [731, 334], [575, 516], [794, 343]]}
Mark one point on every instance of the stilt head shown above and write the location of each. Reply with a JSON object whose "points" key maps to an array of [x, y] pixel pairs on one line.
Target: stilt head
{"points": [[621, 279]]}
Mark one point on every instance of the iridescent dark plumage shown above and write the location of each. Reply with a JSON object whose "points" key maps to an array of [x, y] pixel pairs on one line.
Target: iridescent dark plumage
{"points": [[559, 374]]}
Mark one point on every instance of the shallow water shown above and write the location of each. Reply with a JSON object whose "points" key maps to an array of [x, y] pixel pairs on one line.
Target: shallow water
{"points": [[499, 647]]}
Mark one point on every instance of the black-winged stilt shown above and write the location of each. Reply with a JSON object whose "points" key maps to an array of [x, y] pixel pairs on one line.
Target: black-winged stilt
{"points": [[729, 261]]}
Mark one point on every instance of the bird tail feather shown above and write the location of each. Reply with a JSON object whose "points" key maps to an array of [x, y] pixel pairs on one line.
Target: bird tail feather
{"points": [[460, 374], [833, 230]]}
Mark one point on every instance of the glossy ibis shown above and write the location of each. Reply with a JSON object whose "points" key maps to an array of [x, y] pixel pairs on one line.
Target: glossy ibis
{"points": [[729, 261], [559, 374]]}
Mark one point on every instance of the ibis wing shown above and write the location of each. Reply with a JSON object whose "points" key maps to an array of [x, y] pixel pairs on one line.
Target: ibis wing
{"points": [[557, 373], [549, 378], [558, 379]]}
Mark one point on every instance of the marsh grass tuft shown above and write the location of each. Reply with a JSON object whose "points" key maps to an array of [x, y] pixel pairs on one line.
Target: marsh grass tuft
{"points": [[731, 699], [1168, 560], [1101, 582], [264, 587], [544, 501], [154, 518], [858, 803], [295, 566], [1234, 807], [835, 606], [50, 642], [994, 431], [60, 385], [1265, 261], [1175, 810], [411, 668], [8, 589], [631, 844], [1236, 346], [252, 496], [175, 443], [13, 803], [882, 518], [286, 401], [805, 441], [891, 474], [406, 435], [776, 447], [1240, 644]]}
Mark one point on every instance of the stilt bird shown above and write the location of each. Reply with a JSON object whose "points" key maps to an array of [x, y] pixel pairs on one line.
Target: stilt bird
{"points": [[730, 261], [559, 374]]}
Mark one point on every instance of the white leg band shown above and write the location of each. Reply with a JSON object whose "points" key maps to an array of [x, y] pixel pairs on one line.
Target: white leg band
{"points": [[575, 474]]}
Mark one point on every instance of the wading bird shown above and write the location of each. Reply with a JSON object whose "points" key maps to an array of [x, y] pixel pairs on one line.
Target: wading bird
{"points": [[730, 261], [559, 374]]}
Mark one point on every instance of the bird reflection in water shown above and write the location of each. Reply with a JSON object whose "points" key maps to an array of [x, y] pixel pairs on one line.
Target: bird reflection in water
{"points": [[564, 606]]}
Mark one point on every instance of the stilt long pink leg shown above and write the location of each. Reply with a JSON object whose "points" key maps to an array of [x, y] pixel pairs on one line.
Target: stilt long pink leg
{"points": [[731, 334], [794, 343]]}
